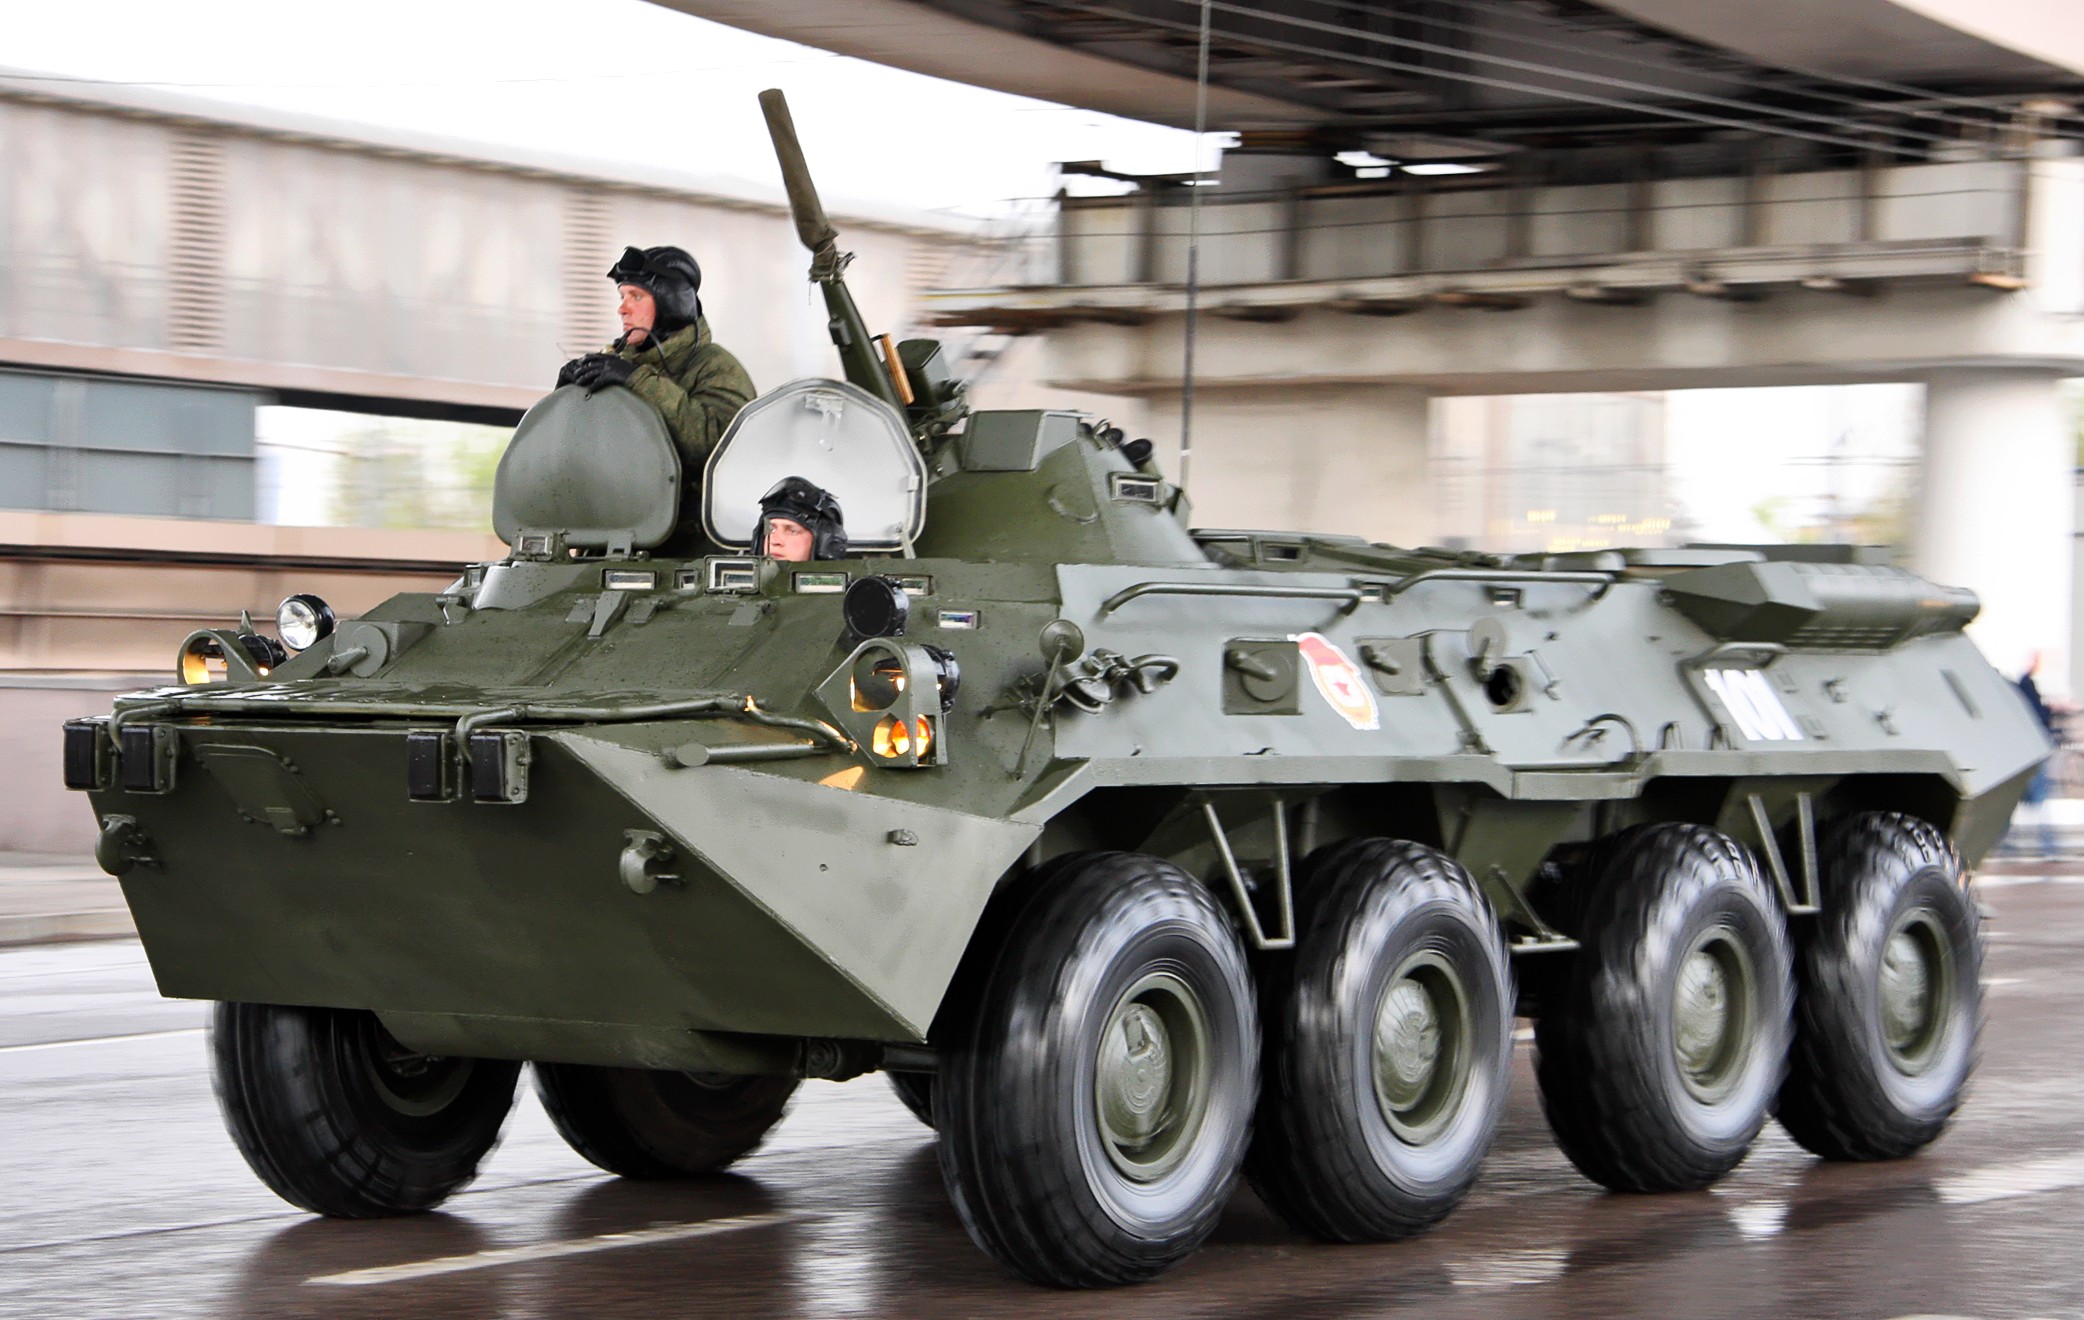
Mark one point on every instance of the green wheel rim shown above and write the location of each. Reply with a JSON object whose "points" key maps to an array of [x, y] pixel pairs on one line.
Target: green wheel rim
{"points": [[1714, 1010], [1916, 990], [415, 1085], [1152, 1082], [1422, 1047]]}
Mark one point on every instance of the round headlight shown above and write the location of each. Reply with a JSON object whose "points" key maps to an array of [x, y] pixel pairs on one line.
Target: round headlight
{"points": [[303, 620], [876, 607]]}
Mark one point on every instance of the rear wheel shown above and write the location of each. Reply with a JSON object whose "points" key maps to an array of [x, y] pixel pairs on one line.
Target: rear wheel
{"points": [[642, 1123], [336, 1116], [1891, 999], [1389, 1037], [1095, 1108], [1660, 1063]]}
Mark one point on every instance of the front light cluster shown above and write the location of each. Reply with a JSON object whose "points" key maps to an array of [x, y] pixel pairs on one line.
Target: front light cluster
{"points": [[303, 621], [892, 697], [894, 738], [203, 659]]}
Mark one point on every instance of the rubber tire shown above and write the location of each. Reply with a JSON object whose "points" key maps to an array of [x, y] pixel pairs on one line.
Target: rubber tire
{"points": [[1845, 1098], [915, 1092], [1323, 1155], [1020, 1148], [640, 1123], [300, 1102], [1606, 1057]]}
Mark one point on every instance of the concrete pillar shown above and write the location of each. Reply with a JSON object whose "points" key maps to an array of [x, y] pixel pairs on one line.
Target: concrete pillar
{"points": [[1996, 511], [1347, 458]]}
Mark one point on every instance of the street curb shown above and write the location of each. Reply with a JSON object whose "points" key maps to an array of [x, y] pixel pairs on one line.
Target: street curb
{"points": [[63, 927]]}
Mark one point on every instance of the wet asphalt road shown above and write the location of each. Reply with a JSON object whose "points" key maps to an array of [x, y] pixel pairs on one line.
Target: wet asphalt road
{"points": [[120, 1195]]}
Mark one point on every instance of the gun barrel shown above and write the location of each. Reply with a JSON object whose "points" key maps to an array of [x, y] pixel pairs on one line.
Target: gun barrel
{"points": [[812, 227]]}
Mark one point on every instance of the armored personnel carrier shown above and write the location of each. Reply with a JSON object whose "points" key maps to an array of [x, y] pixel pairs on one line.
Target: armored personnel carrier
{"points": [[1139, 857]]}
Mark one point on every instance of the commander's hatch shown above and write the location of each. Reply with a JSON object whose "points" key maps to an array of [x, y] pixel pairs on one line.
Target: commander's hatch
{"points": [[835, 434], [587, 472]]}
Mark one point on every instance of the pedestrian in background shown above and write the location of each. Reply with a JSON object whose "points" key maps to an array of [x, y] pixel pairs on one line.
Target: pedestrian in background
{"points": [[2036, 799]]}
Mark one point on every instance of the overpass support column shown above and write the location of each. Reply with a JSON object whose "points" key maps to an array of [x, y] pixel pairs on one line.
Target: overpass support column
{"points": [[1996, 509], [1339, 458]]}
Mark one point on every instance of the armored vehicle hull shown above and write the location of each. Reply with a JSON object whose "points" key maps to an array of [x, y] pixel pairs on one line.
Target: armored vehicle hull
{"points": [[1142, 858]]}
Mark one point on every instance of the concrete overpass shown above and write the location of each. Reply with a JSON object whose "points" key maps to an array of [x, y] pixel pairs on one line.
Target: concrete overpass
{"points": [[1649, 194], [1465, 74]]}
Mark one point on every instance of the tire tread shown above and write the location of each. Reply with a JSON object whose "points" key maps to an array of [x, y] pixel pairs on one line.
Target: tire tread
{"points": [[1588, 1059], [1826, 1104]]}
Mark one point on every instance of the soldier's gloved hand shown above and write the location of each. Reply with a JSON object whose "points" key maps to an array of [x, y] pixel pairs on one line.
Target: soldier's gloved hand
{"points": [[572, 372], [609, 370]]}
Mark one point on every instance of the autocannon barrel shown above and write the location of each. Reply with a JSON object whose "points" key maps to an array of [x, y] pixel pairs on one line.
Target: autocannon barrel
{"points": [[859, 355], [812, 226]]}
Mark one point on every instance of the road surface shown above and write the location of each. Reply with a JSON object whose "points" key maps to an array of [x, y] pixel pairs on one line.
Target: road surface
{"points": [[121, 1196]]}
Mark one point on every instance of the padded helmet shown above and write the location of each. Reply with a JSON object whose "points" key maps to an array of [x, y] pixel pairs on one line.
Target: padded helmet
{"points": [[800, 501], [672, 279]]}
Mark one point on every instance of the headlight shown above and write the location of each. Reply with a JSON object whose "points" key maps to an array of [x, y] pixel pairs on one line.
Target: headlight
{"points": [[876, 607], [265, 652], [303, 620], [201, 660]]}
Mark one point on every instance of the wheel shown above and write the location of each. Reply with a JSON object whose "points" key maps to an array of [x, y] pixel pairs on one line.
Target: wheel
{"points": [[1095, 1106], [1891, 993], [1661, 1060], [1389, 1044], [337, 1117], [641, 1123], [915, 1090]]}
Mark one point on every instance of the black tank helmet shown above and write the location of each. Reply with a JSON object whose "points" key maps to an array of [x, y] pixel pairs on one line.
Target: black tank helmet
{"points": [[800, 501], [672, 279]]}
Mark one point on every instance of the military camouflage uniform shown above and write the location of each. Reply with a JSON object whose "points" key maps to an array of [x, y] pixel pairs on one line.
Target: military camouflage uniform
{"points": [[696, 385]]}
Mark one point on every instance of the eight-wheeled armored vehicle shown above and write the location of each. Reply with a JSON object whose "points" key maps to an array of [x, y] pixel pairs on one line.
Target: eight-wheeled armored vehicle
{"points": [[1140, 857]]}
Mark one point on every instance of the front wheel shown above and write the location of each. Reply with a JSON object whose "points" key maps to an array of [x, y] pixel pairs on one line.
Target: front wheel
{"points": [[641, 1123], [1095, 1108], [1891, 997], [1389, 1040], [338, 1117]]}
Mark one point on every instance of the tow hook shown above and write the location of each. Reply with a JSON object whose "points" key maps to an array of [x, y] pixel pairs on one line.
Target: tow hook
{"points": [[122, 845], [645, 856]]}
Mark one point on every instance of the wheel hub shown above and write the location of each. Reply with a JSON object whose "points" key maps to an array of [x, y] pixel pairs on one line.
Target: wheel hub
{"points": [[1915, 986], [1711, 1015], [1421, 1047], [416, 1085], [1138, 1059], [1151, 1082]]}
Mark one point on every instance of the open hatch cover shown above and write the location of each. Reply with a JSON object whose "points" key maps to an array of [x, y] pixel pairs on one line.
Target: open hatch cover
{"points": [[829, 432], [598, 468]]}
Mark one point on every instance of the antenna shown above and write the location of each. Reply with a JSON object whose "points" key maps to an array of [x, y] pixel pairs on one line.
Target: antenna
{"points": [[1186, 397]]}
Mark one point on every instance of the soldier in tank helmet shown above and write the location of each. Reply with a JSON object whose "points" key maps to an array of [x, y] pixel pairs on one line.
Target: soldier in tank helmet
{"points": [[800, 521], [665, 355]]}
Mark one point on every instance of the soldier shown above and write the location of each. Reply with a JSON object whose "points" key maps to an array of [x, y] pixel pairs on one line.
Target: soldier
{"points": [[800, 521], [665, 355]]}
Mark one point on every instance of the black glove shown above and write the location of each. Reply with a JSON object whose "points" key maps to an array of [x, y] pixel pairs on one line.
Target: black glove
{"points": [[606, 370], [570, 372]]}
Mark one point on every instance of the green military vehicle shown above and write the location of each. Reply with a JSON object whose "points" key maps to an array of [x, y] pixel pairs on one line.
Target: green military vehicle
{"points": [[1137, 856]]}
